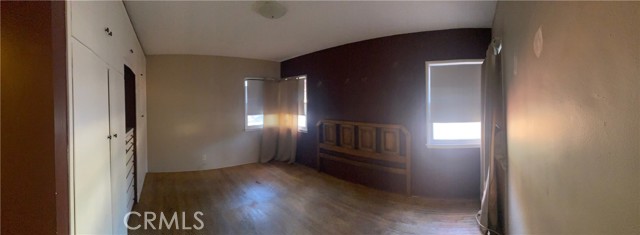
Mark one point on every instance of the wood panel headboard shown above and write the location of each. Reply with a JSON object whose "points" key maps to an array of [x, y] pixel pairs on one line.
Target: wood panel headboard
{"points": [[380, 147]]}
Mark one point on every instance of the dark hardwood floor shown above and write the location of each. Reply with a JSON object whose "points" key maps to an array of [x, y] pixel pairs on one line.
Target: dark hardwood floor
{"points": [[291, 199]]}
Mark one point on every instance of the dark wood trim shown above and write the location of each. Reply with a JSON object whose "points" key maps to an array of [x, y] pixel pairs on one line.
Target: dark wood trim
{"points": [[35, 180], [60, 112]]}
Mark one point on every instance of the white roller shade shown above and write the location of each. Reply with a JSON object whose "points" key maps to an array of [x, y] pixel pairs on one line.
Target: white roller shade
{"points": [[254, 111], [454, 104], [254, 94]]}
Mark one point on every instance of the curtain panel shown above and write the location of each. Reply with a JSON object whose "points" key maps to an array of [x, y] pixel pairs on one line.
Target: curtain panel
{"points": [[280, 128], [493, 145]]}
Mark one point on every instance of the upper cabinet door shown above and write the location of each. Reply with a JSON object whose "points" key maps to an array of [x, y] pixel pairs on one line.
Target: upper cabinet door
{"points": [[91, 144], [90, 26], [119, 23], [131, 48], [104, 27]]}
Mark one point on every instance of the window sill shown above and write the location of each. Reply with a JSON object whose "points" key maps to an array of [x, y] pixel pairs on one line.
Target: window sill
{"points": [[444, 146]]}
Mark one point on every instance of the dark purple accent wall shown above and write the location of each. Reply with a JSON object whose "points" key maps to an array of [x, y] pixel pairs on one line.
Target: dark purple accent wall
{"points": [[383, 80]]}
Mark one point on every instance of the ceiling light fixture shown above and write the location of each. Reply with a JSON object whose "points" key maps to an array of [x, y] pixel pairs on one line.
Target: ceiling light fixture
{"points": [[271, 9]]}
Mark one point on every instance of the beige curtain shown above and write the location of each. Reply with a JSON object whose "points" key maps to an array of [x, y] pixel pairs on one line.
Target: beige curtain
{"points": [[268, 145], [494, 147], [280, 131]]}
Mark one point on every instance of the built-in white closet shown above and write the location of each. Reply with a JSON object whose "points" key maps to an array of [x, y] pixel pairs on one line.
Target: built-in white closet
{"points": [[101, 43]]}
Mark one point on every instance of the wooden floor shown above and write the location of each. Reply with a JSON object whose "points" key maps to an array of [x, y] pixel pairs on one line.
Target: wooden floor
{"points": [[293, 199]]}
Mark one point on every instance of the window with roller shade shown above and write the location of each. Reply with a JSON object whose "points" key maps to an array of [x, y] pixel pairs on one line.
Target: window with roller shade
{"points": [[253, 95], [453, 104], [302, 104]]}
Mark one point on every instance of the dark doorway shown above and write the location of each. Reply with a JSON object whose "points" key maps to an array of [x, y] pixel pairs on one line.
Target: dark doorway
{"points": [[130, 123], [130, 97]]}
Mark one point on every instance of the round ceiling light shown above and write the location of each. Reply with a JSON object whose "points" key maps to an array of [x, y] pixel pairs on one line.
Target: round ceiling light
{"points": [[272, 9]]}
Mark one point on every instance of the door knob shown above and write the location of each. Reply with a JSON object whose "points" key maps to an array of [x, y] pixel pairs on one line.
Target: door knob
{"points": [[115, 135], [108, 137]]}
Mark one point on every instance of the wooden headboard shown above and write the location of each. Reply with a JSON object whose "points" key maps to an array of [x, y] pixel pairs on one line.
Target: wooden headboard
{"points": [[380, 147]]}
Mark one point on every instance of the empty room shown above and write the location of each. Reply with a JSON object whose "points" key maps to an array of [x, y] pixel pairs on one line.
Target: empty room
{"points": [[320, 117]]}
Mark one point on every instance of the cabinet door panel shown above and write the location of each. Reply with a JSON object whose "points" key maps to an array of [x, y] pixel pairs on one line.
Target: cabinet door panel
{"points": [[91, 164], [119, 24], [88, 23], [131, 50], [90, 19], [118, 152], [141, 127]]}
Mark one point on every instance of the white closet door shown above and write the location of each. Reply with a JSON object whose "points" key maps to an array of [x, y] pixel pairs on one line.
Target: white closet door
{"points": [[119, 185], [91, 165]]}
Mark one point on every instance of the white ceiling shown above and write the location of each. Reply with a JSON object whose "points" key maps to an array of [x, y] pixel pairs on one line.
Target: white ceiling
{"points": [[235, 29]]}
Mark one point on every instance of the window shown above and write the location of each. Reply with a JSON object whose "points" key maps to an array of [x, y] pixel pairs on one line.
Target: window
{"points": [[253, 90], [453, 104], [302, 104]]}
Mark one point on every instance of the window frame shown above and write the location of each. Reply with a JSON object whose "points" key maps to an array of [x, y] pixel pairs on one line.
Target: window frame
{"points": [[246, 99], [442, 144], [304, 129]]}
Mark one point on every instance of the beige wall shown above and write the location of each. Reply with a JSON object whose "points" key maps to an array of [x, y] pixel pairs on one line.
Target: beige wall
{"points": [[196, 111], [573, 116]]}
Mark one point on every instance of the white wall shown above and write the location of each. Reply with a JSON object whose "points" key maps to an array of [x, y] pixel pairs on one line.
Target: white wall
{"points": [[573, 116], [196, 111]]}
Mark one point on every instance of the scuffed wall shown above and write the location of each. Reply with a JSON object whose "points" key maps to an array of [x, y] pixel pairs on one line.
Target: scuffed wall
{"points": [[572, 72]]}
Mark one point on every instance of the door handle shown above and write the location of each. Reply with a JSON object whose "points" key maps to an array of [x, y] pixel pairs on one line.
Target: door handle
{"points": [[115, 135], [108, 31], [108, 137]]}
